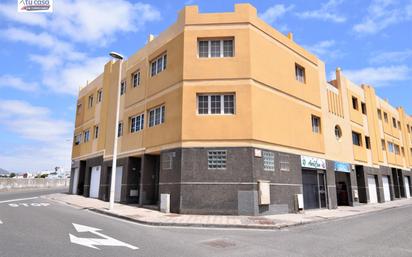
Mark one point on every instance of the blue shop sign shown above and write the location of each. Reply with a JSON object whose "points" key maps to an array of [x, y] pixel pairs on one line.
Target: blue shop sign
{"points": [[342, 167]]}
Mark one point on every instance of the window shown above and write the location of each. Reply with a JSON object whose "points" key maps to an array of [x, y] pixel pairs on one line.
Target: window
{"points": [[215, 48], [315, 124], [403, 151], [338, 132], [216, 104], [355, 103], [216, 159], [136, 79], [157, 116], [79, 108], [394, 122], [385, 117], [391, 147], [77, 139], [380, 114], [284, 162], [408, 128], [158, 65], [96, 131], [363, 106], [86, 136], [383, 144], [167, 160], [396, 149], [356, 138], [90, 103], [136, 123], [123, 87], [367, 142], [399, 125], [120, 129], [300, 73], [268, 161], [99, 95]]}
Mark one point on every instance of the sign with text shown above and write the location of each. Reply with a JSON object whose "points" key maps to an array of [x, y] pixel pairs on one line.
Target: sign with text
{"points": [[35, 5], [312, 162], [342, 167]]}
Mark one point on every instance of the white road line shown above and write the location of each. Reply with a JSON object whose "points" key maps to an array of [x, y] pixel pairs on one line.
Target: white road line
{"points": [[1, 222], [18, 200]]}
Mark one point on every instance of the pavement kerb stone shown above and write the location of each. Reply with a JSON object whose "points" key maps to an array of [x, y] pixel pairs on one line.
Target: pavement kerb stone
{"points": [[315, 219]]}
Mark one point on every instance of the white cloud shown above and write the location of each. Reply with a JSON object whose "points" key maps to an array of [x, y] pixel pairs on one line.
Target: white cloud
{"points": [[32, 122], [326, 49], [17, 83], [327, 12], [379, 76], [382, 14], [274, 12], [91, 21], [391, 57]]}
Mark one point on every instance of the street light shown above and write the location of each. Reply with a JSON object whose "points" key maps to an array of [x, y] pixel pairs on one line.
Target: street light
{"points": [[118, 57]]}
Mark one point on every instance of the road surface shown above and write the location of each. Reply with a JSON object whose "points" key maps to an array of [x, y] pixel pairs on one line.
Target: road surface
{"points": [[35, 227]]}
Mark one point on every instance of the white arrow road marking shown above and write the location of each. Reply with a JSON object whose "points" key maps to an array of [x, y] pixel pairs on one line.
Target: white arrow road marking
{"points": [[17, 200], [1, 222], [93, 242]]}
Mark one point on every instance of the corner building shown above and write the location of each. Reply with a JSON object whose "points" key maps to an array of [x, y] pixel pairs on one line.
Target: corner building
{"points": [[229, 116]]}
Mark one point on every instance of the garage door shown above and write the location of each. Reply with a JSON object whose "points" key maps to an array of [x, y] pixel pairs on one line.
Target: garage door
{"points": [[373, 196], [407, 189], [95, 182], [386, 190]]}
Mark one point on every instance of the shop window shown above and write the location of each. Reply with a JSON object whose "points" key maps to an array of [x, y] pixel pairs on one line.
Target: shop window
{"points": [[355, 103], [356, 138], [367, 142], [315, 124], [268, 161], [300, 73], [216, 159]]}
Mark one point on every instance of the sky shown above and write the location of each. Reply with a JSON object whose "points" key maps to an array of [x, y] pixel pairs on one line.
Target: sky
{"points": [[46, 57]]}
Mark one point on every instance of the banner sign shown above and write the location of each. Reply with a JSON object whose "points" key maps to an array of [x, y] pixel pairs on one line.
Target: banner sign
{"points": [[343, 167], [312, 162]]}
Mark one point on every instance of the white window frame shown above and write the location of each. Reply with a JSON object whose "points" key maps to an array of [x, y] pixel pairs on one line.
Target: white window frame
{"points": [[154, 70], [284, 162], [391, 147], [86, 137], [300, 77], [136, 82], [90, 102], [222, 104], [78, 139], [316, 129], [209, 47], [220, 161], [152, 116], [135, 128]]}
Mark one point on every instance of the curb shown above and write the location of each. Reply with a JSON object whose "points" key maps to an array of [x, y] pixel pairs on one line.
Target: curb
{"points": [[233, 226]]}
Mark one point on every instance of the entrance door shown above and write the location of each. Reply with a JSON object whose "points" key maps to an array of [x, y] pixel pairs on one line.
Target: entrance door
{"points": [[314, 189], [373, 195], [75, 181], [118, 187], [95, 182], [343, 187], [407, 188], [386, 190]]}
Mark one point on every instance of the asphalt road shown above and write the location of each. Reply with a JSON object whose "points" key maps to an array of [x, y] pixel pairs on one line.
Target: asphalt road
{"points": [[37, 227]]}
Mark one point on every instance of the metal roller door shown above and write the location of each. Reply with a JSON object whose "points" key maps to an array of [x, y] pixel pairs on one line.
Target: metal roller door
{"points": [[386, 190], [95, 182], [373, 195]]}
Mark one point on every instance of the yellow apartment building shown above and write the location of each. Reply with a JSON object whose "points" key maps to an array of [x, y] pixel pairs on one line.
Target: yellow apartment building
{"points": [[226, 115]]}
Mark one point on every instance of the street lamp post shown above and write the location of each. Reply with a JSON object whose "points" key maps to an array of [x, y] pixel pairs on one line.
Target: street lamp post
{"points": [[118, 57]]}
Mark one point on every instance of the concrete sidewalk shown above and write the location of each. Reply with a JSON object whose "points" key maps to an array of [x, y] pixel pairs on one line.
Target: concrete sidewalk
{"points": [[152, 217]]}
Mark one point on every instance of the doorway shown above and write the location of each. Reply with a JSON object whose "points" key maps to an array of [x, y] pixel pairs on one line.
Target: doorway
{"points": [[407, 186], [314, 189], [95, 182], [75, 181], [386, 188], [373, 193], [343, 188]]}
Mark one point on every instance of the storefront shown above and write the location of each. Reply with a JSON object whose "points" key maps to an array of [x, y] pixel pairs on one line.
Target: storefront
{"points": [[314, 182], [343, 184]]}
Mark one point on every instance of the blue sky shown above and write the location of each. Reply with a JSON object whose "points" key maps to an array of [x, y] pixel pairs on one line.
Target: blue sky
{"points": [[47, 56]]}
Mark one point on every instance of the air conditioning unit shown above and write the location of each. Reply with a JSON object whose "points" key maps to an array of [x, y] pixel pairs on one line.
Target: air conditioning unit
{"points": [[299, 202]]}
